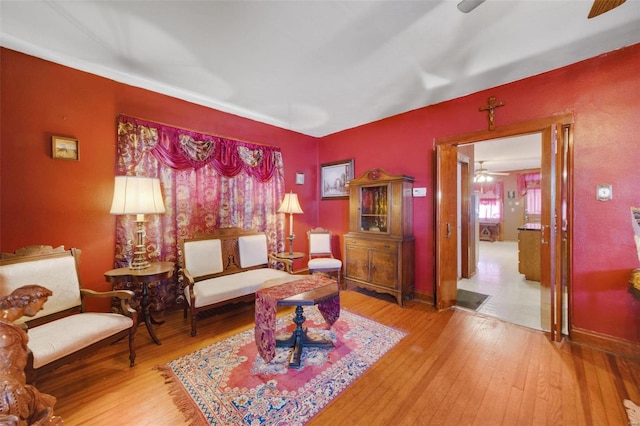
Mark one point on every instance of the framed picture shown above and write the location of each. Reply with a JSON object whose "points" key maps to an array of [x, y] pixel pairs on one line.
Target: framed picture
{"points": [[334, 178], [64, 148]]}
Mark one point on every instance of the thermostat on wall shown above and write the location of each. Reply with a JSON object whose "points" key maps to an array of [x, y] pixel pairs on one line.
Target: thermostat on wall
{"points": [[604, 192], [419, 192]]}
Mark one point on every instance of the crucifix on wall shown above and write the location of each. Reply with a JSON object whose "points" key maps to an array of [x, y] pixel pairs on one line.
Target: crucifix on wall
{"points": [[491, 107]]}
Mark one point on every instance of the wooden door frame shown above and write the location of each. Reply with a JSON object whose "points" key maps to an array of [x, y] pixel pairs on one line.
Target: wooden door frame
{"points": [[522, 128], [446, 234], [467, 219]]}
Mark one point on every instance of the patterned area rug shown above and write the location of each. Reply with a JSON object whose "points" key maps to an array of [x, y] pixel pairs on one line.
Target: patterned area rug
{"points": [[229, 383]]}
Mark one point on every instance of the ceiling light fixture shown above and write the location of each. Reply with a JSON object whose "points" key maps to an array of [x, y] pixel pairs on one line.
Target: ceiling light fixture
{"points": [[466, 6], [482, 178]]}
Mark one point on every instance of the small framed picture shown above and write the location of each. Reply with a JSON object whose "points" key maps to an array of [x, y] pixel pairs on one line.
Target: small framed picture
{"points": [[65, 148], [334, 178]]}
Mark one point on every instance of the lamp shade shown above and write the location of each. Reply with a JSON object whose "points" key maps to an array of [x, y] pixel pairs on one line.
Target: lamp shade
{"points": [[137, 195], [290, 204]]}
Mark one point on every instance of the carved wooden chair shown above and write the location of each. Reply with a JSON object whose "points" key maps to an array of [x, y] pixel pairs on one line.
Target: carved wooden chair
{"points": [[320, 254]]}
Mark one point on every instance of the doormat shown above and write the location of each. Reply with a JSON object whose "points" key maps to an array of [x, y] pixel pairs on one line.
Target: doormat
{"points": [[229, 383], [470, 299]]}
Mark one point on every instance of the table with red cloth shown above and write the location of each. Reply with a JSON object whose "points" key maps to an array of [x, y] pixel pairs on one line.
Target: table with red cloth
{"points": [[266, 307]]}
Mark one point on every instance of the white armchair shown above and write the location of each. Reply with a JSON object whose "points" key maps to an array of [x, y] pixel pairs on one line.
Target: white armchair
{"points": [[320, 254]]}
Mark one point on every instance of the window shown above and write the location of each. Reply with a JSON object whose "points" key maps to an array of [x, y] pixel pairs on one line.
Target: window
{"points": [[490, 209], [489, 201], [533, 201]]}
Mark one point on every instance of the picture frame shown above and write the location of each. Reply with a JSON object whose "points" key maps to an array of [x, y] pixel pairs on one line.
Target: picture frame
{"points": [[334, 178], [63, 148]]}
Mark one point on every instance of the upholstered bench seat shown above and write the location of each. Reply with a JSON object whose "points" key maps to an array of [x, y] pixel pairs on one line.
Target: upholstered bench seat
{"points": [[227, 266], [63, 331], [57, 339], [324, 263], [227, 287]]}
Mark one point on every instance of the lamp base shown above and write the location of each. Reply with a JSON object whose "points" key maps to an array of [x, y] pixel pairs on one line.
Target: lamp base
{"points": [[140, 255], [140, 259], [139, 264], [291, 238]]}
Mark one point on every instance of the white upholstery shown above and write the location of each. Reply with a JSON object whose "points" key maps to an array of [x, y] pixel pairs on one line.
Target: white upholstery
{"points": [[203, 257], [58, 274], [242, 275], [324, 263], [320, 255], [226, 287], [253, 250], [62, 337], [319, 243]]}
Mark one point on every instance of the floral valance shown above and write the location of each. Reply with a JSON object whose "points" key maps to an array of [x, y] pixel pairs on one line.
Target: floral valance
{"points": [[489, 190], [182, 149], [528, 180]]}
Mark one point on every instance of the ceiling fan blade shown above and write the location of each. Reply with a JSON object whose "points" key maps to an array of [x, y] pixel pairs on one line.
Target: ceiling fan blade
{"points": [[466, 6], [601, 6], [498, 173]]}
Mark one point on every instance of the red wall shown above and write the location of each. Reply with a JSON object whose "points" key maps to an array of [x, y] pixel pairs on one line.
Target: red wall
{"points": [[603, 93], [56, 202], [45, 201]]}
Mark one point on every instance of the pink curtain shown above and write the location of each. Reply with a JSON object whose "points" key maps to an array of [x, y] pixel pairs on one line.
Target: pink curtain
{"points": [[528, 180], [492, 190], [207, 182], [490, 200]]}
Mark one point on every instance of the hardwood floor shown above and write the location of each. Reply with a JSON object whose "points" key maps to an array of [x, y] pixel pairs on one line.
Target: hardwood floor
{"points": [[454, 368]]}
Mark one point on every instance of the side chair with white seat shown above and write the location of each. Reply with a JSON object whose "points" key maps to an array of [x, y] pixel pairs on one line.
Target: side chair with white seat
{"points": [[320, 254]]}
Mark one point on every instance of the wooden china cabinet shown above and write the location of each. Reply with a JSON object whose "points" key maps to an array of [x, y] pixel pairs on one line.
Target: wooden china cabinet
{"points": [[379, 247]]}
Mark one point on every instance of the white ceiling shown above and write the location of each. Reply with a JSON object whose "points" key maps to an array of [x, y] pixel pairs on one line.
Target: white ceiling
{"points": [[316, 67], [514, 153]]}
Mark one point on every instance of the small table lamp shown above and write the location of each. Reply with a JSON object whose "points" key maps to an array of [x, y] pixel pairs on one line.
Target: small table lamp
{"points": [[291, 206], [137, 195]]}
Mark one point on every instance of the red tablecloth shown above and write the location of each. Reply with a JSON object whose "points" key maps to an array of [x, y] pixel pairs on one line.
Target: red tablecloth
{"points": [[266, 307]]}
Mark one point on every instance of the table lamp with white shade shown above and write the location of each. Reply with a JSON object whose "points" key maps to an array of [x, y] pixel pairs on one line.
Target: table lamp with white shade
{"points": [[137, 195], [291, 206]]}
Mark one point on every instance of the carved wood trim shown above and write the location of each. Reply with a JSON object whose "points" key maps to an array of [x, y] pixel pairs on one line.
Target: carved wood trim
{"points": [[531, 126]]}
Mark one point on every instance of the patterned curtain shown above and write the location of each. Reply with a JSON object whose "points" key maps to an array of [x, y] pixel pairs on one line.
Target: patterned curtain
{"points": [[528, 180], [490, 200], [207, 182]]}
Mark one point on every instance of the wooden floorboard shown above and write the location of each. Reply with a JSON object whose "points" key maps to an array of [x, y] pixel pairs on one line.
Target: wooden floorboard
{"points": [[454, 367]]}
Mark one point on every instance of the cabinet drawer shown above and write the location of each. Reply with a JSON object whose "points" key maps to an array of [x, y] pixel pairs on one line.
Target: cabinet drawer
{"points": [[387, 246]]}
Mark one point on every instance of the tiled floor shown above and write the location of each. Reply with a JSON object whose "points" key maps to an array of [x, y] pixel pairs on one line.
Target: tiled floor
{"points": [[511, 297]]}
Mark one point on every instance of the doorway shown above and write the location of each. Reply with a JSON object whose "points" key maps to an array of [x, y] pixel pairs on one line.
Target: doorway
{"points": [[498, 285], [555, 247]]}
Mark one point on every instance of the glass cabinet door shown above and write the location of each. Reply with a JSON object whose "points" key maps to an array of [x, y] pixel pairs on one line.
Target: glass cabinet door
{"points": [[374, 204]]}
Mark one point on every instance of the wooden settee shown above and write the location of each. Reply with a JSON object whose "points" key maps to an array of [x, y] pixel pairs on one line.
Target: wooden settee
{"points": [[227, 266], [63, 331]]}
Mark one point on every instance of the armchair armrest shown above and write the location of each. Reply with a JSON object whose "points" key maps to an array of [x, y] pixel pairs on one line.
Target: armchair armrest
{"points": [[286, 263], [123, 295], [120, 294], [187, 276]]}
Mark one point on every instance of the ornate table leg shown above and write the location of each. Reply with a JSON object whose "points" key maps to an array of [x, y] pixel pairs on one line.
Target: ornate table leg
{"points": [[299, 339], [146, 315]]}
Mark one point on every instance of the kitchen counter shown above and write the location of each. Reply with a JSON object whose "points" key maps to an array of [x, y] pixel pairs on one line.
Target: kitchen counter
{"points": [[529, 251]]}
